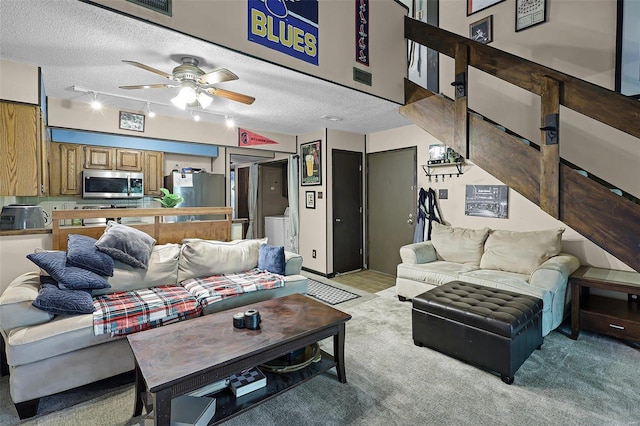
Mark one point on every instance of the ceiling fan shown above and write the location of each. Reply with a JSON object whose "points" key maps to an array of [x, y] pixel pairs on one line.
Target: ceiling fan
{"points": [[194, 83]]}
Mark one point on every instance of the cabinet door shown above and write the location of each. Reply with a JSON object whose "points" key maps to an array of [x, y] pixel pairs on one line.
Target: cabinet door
{"points": [[98, 157], [65, 169], [19, 145], [153, 172], [45, 146], [129, 160]]}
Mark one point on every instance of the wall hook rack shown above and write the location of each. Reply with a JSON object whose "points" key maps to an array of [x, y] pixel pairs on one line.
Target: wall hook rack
{"points": [[431, 170]]}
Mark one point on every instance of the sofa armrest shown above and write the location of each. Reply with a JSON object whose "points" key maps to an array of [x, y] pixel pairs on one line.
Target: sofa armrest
{"points": [[292, 263], [555, 271], [16, 309], [416, 253]]}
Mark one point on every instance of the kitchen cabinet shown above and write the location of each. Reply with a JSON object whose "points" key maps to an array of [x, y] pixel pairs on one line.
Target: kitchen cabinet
{"points": [[129, 160], [99, 157], [65, 169], [153, 172], [23, 150]]}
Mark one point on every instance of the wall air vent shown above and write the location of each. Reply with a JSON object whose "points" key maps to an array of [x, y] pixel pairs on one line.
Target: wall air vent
{"points": [[162, 6], [361, 76]]}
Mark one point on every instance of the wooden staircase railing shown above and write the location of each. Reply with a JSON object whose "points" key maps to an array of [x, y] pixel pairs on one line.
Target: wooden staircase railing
{"points": [[535, 171]]}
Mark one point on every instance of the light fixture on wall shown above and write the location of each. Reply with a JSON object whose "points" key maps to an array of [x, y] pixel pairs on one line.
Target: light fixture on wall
{"points": [[150, 112]]}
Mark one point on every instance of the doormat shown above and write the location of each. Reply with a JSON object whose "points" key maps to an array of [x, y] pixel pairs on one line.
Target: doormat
{"points": [[328, 293]]}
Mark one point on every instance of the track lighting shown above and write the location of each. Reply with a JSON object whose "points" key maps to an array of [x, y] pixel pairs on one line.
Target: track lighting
{"points": [[95, 103], [229, 120], [149, 111]]}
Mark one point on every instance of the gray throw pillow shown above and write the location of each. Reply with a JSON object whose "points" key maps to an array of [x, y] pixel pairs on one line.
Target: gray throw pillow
{"points": [[54, 263], [82, 252], [63, 302], [126, 244]]}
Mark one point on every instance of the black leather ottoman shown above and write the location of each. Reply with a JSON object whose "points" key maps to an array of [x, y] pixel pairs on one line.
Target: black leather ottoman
{"points": [[492, 329]]}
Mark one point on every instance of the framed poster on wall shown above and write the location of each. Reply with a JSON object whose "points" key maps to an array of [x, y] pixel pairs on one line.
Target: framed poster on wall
{"points": [[310, 164], [627, 48], [474, 6], [530, 13]]}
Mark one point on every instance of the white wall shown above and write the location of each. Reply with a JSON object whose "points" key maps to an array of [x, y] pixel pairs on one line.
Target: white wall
{"points": [[13, 255], [19, 82]]}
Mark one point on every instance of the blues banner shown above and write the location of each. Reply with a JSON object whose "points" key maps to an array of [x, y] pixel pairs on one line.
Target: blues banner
{"points": [[288, 26], [362, 31]]}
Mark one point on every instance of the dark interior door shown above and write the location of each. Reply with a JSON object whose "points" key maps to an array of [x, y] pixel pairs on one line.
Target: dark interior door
{"points": [[347, 210], [391, 206], [242, 192]]}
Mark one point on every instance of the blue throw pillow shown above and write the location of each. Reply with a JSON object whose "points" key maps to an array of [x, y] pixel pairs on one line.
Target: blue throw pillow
{"points": [[82, 252], [126, 244], [68, 277], [271, 258], [63, 302]]}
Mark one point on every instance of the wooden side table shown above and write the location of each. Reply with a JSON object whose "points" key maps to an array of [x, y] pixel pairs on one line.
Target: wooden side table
{"points": [[605, 315]]}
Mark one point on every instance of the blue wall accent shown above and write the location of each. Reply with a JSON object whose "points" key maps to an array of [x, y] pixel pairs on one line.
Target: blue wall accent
{"points": [[119, 141]]}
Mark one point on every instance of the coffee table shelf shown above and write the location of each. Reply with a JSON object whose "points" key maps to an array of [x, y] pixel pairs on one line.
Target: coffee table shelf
{"points": [[227, 405]]}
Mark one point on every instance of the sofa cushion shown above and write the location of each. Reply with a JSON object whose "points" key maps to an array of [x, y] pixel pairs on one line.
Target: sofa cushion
{"points": [[68, 277], [459, 245], [520, 252], [63, 302], [16, 303], [161, 270], [203, 258], [126, 244], [83, 253], [434, 273], [271, 258]]}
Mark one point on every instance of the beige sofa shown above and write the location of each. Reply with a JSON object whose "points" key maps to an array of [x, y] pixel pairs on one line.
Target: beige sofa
{"points": [[47, 354], [523, 262]]}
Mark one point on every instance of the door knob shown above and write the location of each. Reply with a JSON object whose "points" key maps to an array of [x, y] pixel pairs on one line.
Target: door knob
{"points": [[337, 219]]}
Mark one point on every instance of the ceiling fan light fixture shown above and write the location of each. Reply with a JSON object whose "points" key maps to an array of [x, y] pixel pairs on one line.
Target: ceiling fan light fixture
{"points": [[179, 102], [188, 92], [204, 100]]}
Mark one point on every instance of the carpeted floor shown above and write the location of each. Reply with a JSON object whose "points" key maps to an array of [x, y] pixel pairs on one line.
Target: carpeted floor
{"points": [[590, 381]]}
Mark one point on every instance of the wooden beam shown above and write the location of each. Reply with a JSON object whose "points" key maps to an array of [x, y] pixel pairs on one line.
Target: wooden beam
{"points": [[549, 147], [605, 218], [606, 106], [505, 157], [414, 92], [433, 114], [461, 130]]}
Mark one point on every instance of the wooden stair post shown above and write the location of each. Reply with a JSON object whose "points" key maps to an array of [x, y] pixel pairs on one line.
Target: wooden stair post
{"points": [[550, 147], [461, 123]]}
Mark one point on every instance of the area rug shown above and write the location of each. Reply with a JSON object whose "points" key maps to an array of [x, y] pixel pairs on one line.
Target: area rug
{"points": [[328, 293], [390, 381]]}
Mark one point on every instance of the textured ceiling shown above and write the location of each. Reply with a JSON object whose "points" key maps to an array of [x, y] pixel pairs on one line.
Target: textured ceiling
{"points": [[77, 44]]}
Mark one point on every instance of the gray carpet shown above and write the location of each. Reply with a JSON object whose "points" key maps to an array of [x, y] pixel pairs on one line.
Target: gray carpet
{"points": [[591, 381]]}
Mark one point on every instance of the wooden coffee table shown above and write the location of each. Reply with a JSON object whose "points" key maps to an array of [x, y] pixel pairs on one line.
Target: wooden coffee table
{"points": [[177, 359]]}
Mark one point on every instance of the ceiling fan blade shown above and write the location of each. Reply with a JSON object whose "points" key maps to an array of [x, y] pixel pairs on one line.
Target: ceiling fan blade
{"points": [[217, 76], [234, 96], [148, 86], [148, 68]]}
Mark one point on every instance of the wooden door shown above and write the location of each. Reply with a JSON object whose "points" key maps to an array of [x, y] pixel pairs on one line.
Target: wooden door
{"points": [[129, 160], [98, 157], [19, 148], [153, 172], [392, 203]]}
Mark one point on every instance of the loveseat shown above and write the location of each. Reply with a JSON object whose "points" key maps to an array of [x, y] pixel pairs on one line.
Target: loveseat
{"points": [[47, 353], [529, 263]]}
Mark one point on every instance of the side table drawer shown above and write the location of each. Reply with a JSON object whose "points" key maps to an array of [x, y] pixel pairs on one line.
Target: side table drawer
{"points": [[612, 326]]}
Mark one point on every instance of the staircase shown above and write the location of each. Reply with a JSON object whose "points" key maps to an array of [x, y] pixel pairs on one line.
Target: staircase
{"points": [[534, 169]]}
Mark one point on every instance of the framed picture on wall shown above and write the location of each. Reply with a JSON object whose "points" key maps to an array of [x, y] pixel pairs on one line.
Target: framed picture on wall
{"points": [[474, 6], [131, 121], [627, 52], [530, 13], [310, 164], [482, 30], [310, 199], [487, 201]]}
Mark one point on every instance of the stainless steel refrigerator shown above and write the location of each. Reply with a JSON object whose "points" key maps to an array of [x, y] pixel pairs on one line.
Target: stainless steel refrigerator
{"points": [[198, 190]]}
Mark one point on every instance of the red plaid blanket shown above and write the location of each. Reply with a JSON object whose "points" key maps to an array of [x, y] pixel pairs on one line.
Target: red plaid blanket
{"points": [[128, 312], [217, 287]]}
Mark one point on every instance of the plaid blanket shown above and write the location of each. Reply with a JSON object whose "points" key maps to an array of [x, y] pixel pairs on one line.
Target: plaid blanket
{"points": [[217, 287], [128, 312]]}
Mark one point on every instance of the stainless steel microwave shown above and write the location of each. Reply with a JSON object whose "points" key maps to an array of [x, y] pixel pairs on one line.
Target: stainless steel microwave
{"points": [[112, 184]]}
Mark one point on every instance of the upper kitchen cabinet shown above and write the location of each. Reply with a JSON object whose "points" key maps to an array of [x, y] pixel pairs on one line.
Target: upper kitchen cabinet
{"points": [[23, 150], [65, 169], [104, 158], [153, 172]]}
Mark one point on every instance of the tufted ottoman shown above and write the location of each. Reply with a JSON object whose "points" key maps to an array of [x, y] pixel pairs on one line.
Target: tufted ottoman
{"points": [[490, 328]]}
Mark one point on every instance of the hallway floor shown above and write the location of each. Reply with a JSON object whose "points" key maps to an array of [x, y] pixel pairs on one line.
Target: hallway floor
{"points": [[366, 280]]}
